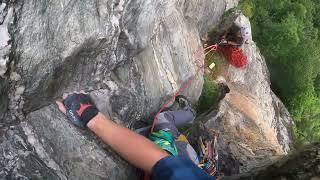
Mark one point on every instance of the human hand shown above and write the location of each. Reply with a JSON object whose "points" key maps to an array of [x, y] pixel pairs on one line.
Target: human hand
{"points": [[79, 108]]}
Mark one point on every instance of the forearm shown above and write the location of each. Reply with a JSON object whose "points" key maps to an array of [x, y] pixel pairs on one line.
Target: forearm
{"points": [[133, 147], [233, 43]]}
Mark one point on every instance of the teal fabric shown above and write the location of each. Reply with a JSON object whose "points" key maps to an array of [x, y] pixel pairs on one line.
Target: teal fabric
{"points": [[165, 140]]}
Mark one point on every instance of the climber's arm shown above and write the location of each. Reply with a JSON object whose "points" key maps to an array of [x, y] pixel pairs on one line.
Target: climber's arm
{"points": [[233, 43], [133, 147]]}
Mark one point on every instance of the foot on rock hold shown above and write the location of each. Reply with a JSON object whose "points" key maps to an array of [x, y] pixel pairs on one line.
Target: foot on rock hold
{"points": [[183, 101]]}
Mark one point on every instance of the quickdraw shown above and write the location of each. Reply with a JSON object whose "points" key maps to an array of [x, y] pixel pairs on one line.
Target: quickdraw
{"points": [[209, 153]]}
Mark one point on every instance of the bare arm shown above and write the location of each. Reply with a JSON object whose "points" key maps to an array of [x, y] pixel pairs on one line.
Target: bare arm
{"points": [[133, 147], [233, 43]]}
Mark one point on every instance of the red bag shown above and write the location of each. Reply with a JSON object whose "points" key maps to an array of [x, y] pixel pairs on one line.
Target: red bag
{"points": [[234, 55]]}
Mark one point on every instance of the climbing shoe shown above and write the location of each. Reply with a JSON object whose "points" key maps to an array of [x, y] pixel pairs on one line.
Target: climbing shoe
{"points": [[183, 101]]}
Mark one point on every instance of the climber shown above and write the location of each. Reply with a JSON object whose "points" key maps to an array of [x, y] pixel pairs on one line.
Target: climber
{"points": [[230, 44], [136, 149], [236, 36], [166, 133], [168, 137]]}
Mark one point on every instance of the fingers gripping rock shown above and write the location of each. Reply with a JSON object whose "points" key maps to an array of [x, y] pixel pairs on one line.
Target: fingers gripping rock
{"points": [[80, 109]]}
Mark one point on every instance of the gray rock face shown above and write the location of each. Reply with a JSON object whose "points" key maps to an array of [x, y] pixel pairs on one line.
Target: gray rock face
{"points": [[3, 97], [6, 17], [18, 160], [134, 43], [83, 46], [6, 13], [302, 165], [283, 124], [131, 55], [253, 123], [71, 152]]}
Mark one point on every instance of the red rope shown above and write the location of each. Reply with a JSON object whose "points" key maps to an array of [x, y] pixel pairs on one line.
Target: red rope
{"points": [[188, 83]]}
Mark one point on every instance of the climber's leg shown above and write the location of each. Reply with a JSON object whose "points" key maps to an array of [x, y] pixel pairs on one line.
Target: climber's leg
{"points": [[181, 117], [170, 120]]}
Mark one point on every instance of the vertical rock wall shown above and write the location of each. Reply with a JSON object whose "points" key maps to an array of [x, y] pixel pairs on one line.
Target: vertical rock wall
{"points": [[130, 55], [253, 123]]}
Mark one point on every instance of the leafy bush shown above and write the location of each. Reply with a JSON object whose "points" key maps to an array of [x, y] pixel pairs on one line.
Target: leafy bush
{"points": [[208, 96], [210, 91], [247, 7]]}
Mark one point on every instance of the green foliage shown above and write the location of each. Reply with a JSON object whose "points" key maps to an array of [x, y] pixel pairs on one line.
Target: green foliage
{"points": [[230, 13], [208, 96], [287, 31], [317, 85], [247, 8], [307, 118]]}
